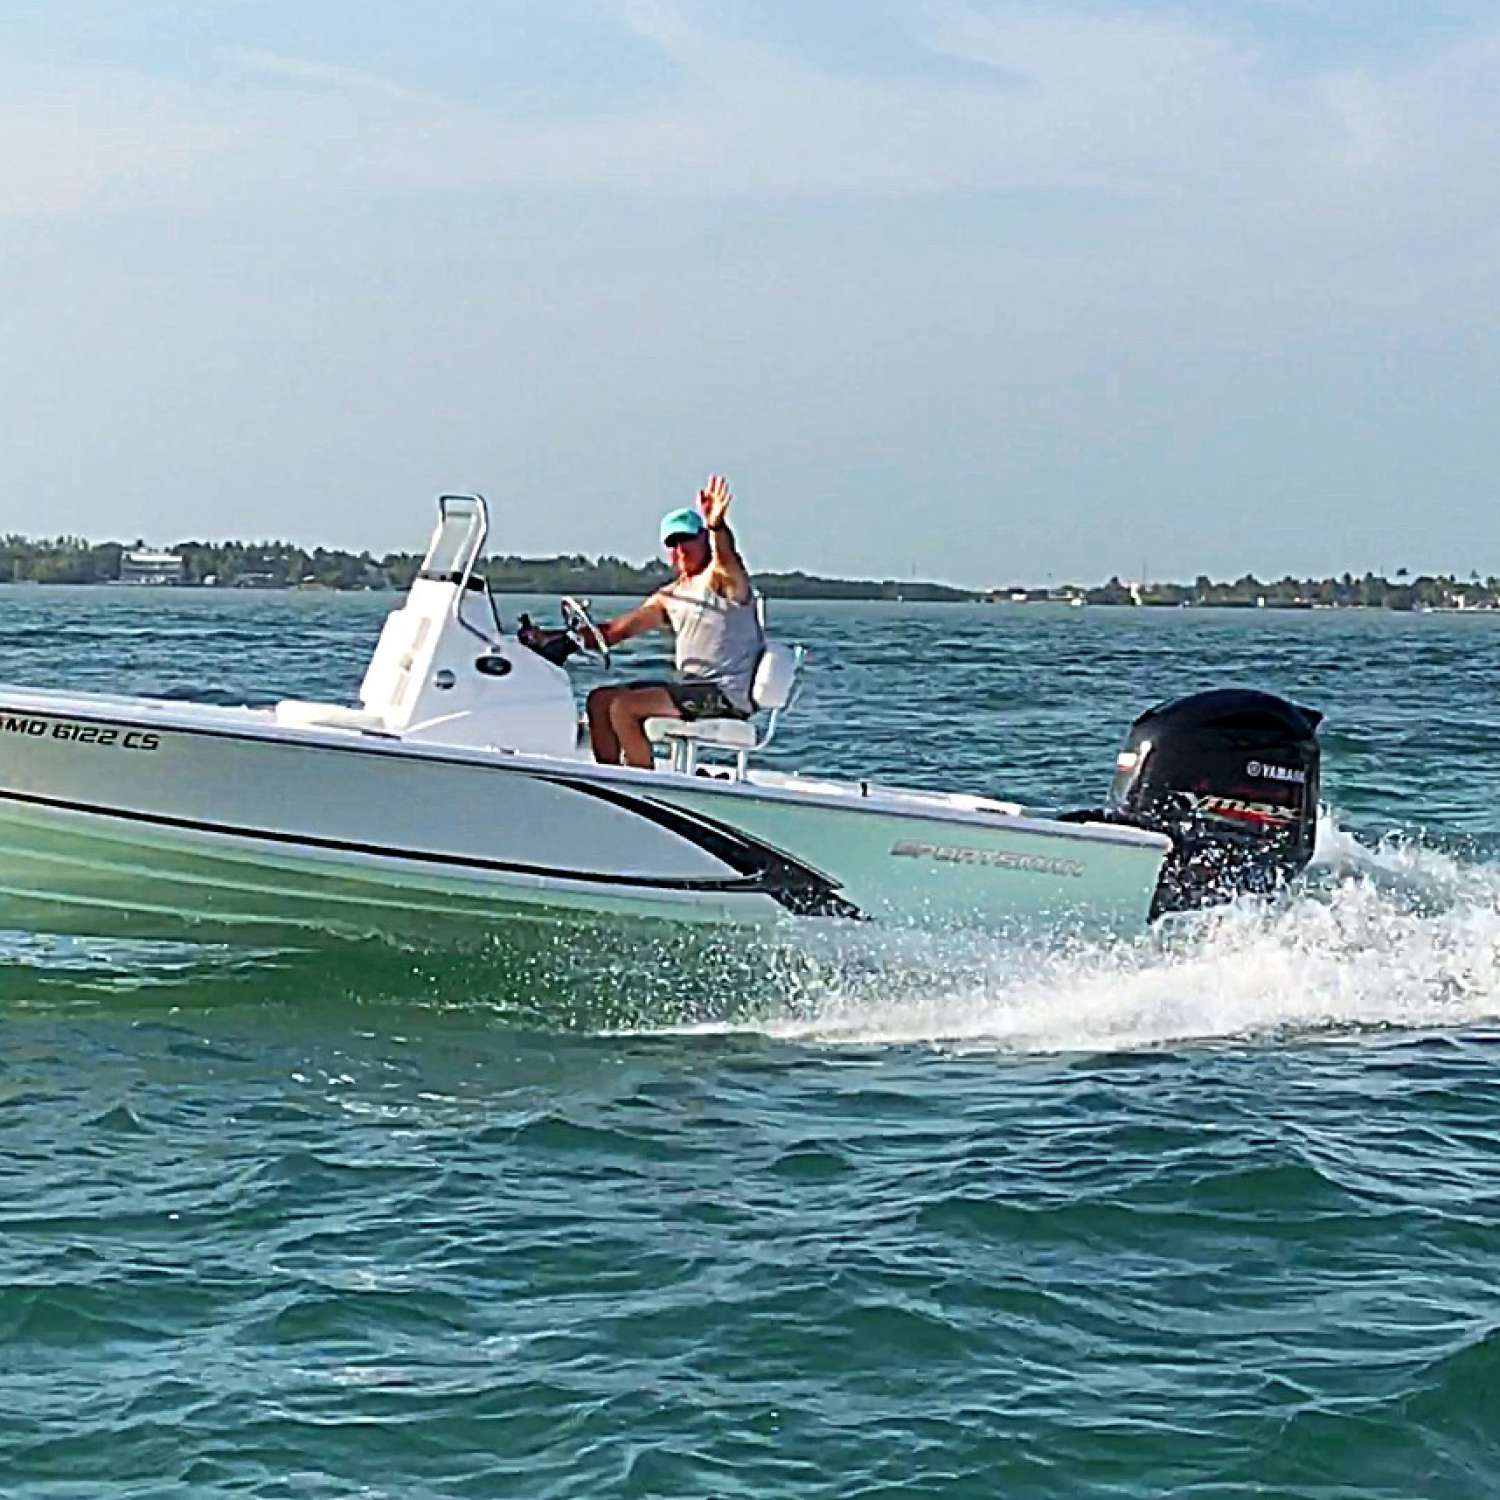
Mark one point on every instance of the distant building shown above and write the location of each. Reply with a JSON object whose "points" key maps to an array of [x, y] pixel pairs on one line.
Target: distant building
{"points": [[150, 567]]}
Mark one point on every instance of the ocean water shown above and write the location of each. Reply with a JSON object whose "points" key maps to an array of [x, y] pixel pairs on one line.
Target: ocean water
{"points": [[1213, 1212]]}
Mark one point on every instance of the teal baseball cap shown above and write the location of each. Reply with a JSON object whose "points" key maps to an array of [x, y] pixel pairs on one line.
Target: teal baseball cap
{"points": [[680, 523]]}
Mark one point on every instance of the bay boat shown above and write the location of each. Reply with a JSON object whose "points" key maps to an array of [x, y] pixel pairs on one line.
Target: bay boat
{"points": [[458, 795]]}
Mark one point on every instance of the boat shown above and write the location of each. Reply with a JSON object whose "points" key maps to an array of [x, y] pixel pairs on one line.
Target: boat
{"points": [[458, 795]]}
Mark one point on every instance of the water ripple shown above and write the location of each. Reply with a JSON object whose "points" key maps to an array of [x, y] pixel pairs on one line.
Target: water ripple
{"points": [[1213, 1213]]}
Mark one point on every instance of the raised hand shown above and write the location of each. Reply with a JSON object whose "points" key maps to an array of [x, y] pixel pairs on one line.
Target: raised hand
{"points": [[713, 500]]}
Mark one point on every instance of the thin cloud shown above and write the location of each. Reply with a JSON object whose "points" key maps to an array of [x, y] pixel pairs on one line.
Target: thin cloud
{"points": [[1057, 47], [104, 140], [663, 24], [329, 75], [1127, 102]]}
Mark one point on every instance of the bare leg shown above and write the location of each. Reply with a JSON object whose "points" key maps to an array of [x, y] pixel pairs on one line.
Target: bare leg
{"points": [[628, 711], [602, 738]]}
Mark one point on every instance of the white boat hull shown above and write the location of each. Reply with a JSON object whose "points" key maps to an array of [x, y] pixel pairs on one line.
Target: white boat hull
{"points": [[131, 815]]}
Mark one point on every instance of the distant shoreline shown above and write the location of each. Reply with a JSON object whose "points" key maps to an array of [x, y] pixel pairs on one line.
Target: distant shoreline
{"points": [[842, 596], [276, 565], [582, 590], [280, 565], [837, 590]]}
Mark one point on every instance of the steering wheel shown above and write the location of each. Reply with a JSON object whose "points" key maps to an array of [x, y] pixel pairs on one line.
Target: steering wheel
{"points": [[580, 626]]}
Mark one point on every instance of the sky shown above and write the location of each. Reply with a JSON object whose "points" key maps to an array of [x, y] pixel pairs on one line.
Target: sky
{"points": [[986, 292]]}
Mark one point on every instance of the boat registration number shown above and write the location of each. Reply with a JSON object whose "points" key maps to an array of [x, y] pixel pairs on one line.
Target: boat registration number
{"points": [[80, 734]]}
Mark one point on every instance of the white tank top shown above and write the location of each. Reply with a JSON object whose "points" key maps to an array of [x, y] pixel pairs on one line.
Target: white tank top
{"points": [[718, 639]]}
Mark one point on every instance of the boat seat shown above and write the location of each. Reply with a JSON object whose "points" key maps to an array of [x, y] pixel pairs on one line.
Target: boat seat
{"points": [[730, 734], [772, 689], [297, 713]]}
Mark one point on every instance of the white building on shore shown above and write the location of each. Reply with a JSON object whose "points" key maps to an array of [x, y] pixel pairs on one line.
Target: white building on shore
{"points": [[150, 567]]}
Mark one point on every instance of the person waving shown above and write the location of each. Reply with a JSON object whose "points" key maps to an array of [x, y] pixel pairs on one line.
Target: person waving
{"points": [[709, 607]]}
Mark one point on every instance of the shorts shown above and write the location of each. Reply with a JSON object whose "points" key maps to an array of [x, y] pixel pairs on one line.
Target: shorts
{"points": [[697, 699]]}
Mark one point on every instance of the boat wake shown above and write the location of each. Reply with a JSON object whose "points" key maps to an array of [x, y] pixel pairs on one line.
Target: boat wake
{"points": [[1404, 935], [51, 970], [1400, 936]]}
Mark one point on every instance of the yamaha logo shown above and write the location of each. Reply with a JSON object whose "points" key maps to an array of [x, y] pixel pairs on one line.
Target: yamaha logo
{"points": [[1259, 770]]}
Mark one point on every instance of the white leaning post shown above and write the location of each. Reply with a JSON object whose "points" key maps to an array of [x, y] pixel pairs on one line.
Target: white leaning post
{"points": [[775, 688]]}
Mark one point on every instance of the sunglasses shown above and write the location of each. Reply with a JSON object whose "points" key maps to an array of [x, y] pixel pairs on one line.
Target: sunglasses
{"points": [[681, 539]]}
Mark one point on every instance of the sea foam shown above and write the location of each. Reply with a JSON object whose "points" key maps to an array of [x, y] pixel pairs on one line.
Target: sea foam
{"points": [[1399, 935]]}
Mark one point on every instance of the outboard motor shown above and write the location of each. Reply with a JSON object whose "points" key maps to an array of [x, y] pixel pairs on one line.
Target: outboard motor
{"points": [[1231, 776]]}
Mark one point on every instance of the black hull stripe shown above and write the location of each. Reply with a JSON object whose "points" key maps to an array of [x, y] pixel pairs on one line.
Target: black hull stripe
{"points": [[761, 869], [798, 887], [375, 742], [741, 885]]}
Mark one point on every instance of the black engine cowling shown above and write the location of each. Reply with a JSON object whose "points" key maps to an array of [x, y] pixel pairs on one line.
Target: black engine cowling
{"points": [[1231, 776]]}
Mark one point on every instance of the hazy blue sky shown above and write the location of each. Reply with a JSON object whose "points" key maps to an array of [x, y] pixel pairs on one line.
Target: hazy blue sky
{"points": [[988, 291]]}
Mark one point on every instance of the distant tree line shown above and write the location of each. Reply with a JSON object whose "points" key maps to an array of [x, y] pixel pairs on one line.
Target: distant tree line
{"points": [[279, 564], [1370, 591], [70, 559]]}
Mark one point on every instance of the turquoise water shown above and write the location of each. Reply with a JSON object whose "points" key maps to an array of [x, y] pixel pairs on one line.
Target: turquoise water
{"points": [[1214, 1213]]}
